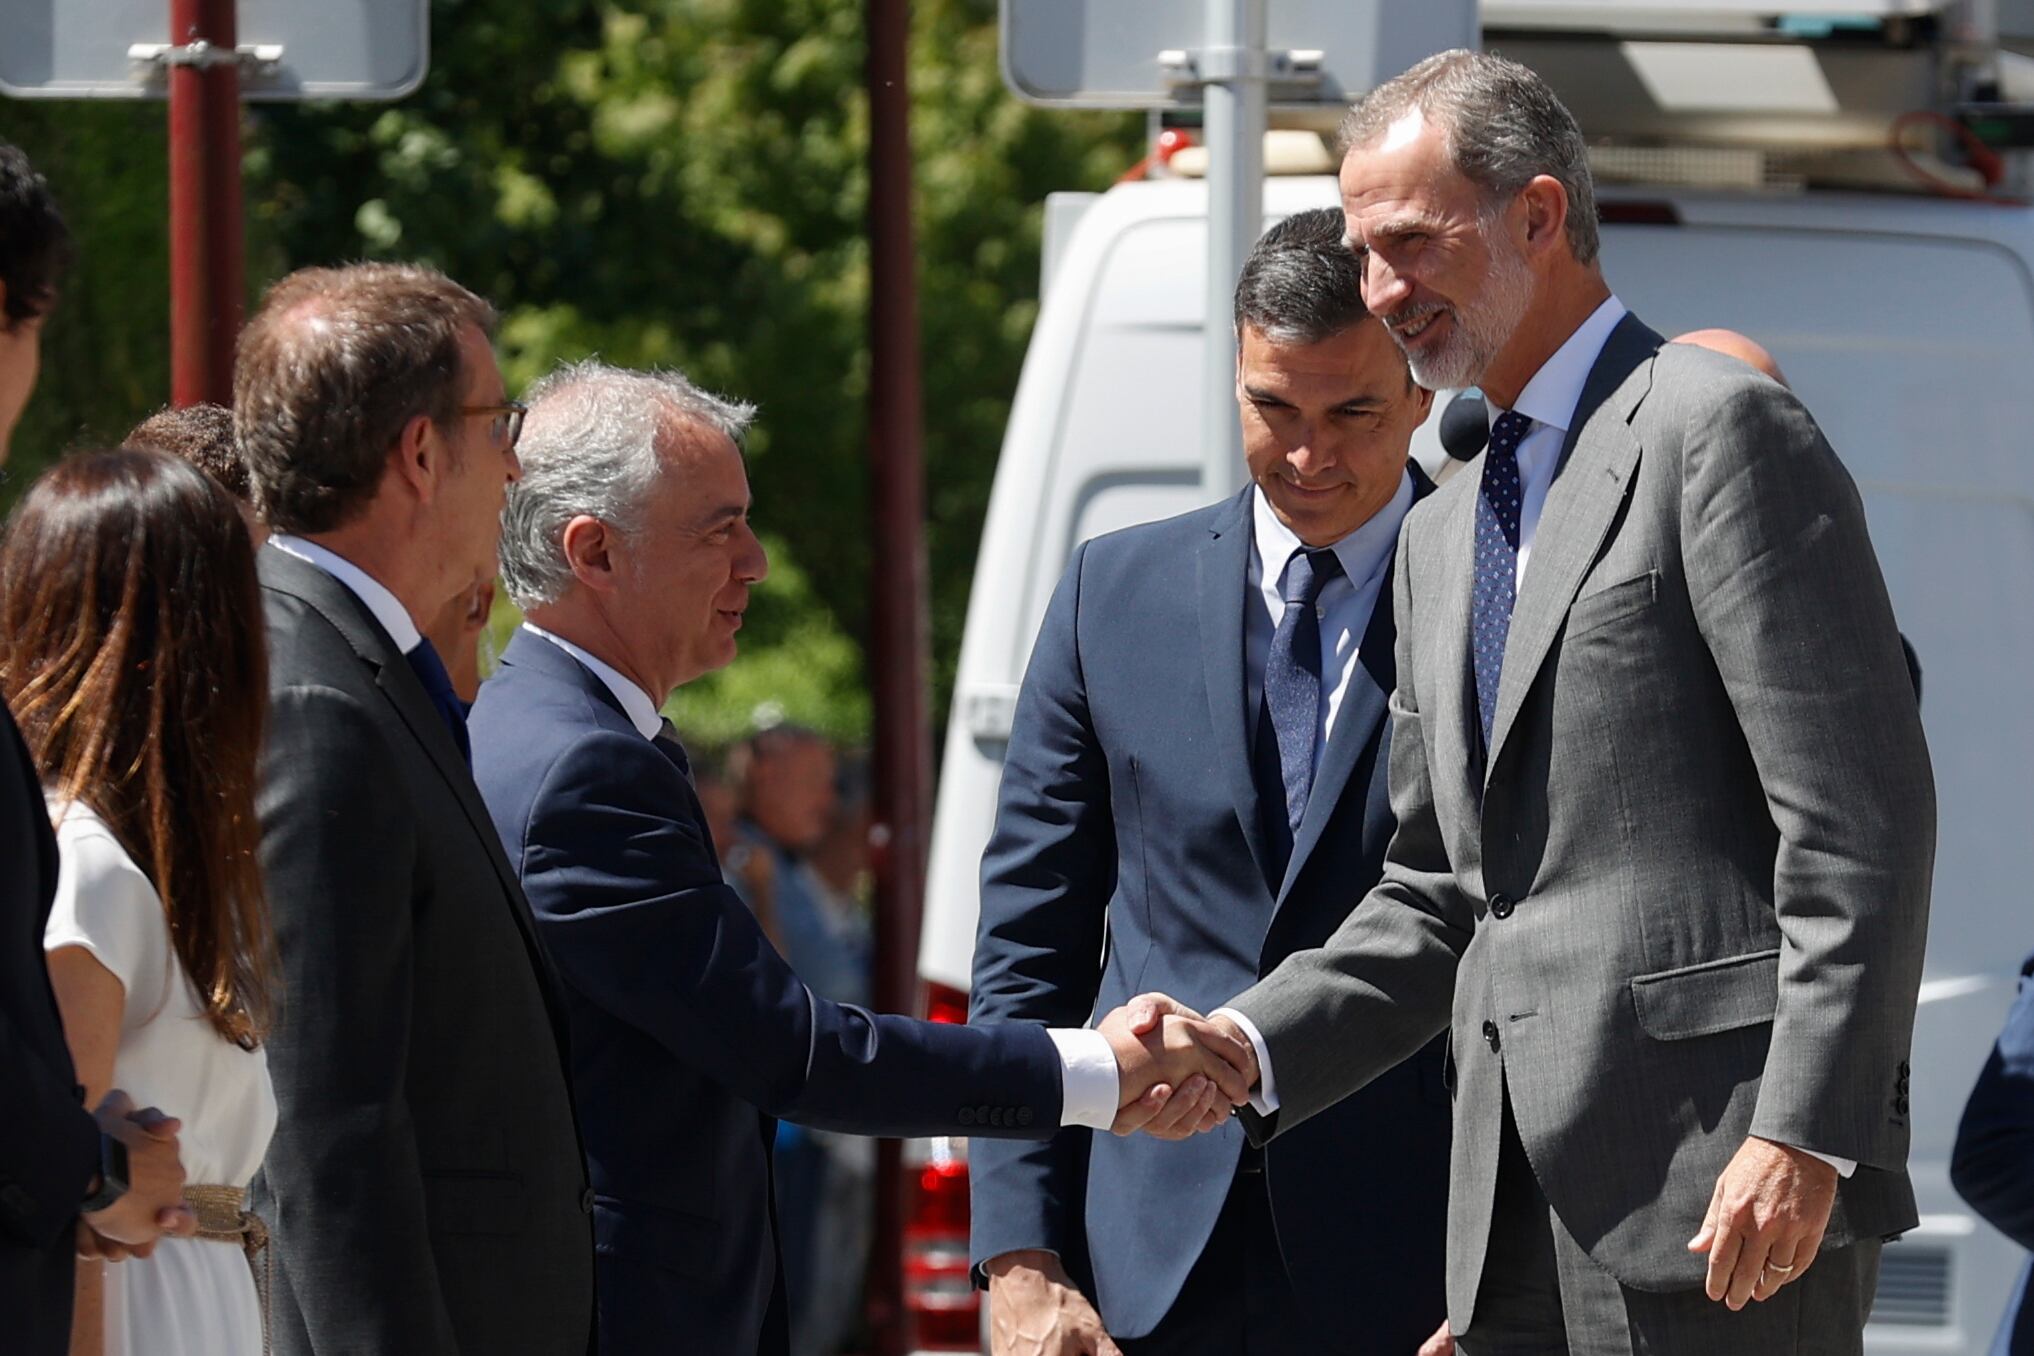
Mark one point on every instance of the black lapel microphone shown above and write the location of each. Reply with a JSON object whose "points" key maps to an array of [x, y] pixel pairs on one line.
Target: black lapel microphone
{"points": [[1465, 425]]}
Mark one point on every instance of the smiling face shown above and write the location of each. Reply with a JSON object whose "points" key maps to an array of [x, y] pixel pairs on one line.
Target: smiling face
{"points": [[690, 561], [1439, 268], [1327, 426]]}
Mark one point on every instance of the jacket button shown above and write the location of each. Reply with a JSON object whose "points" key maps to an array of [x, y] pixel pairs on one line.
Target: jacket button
{"points": [[1501, 907], [1490, 1035], [982, 1114], [966, 1116], [996, 1116], [1025, 1116], [586, 1201]]}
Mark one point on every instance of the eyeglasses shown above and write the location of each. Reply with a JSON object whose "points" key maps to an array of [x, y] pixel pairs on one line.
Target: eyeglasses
{"points": [[507, 424]]}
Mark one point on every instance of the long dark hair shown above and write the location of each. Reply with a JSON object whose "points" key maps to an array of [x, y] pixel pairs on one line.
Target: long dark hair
{"points": [[133, 657]]}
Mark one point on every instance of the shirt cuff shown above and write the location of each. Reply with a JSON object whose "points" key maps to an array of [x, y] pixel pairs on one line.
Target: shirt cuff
{"points": [[1089, 1086], [1264, 1100], [1844, 1166]]}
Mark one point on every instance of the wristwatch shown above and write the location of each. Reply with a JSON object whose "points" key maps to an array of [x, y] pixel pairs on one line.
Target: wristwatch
{"points": [[112, 1176]]}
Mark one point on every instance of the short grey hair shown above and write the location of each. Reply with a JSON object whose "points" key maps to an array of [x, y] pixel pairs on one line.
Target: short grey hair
{"points": [[589, 447], [1504, 128], [1301, 283]]}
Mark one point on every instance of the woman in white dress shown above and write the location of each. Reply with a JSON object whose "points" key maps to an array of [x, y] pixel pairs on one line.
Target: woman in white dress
{"points": [[134, 660]]}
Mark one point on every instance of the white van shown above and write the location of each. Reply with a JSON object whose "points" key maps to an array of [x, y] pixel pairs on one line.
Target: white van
{"points": [[1905, 323]]}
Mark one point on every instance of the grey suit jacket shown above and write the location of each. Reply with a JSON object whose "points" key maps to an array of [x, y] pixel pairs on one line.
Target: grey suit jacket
{"points": [[425, 1187], [1684, 898]]}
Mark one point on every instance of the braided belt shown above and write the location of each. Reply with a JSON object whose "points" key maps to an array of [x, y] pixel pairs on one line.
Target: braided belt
{"points": [[223, 1217]]}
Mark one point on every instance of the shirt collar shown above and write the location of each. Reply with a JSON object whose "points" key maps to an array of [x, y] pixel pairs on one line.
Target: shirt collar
{"points": [[1363, 553], [1551, 396], [636, 704], [373, 594]]}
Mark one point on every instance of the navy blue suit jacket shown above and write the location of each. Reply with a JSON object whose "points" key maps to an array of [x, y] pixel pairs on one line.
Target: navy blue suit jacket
{"points": [[49, 1146], [1128, 810], [689, 1032], [1993, 1165]]}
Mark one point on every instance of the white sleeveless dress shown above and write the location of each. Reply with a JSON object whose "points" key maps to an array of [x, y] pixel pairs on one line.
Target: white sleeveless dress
{"points": [[190, 1297]]}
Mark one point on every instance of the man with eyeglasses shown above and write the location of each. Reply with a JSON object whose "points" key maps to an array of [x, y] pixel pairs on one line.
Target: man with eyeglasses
{"points": [[425, 1189]]}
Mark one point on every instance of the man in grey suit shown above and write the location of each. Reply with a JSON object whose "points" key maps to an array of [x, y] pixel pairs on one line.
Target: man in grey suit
{"points": [[425, 1190], [1665, 814]]}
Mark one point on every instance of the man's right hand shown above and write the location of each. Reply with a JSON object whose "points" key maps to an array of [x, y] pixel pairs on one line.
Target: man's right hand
{"points": [[1035, 1310], [153, 1205]]}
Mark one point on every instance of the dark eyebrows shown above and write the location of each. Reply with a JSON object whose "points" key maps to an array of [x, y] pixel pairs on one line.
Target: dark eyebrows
{"points": [[1260, 396]]}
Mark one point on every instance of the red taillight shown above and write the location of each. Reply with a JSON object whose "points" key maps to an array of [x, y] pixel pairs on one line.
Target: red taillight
{"points": [[945, 1005], [944, 1307]]}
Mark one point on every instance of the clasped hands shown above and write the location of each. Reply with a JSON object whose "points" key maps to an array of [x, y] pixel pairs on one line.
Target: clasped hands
{"points": [[1178, 1073], [152, 1208]]}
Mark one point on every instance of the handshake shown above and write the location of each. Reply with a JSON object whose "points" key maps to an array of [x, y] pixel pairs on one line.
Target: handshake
{"points": [[1178, 1073]]}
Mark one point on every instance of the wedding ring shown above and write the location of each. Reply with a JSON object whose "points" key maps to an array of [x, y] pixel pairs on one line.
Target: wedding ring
{"points": [[1775, 1266]]}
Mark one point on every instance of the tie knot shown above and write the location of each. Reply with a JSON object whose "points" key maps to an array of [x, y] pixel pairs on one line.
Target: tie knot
{"points": [[1509, 430], [1307, 573]]}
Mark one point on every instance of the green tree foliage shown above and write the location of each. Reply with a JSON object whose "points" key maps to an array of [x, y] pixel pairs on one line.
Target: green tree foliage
{"points": [[105, 351], [676, 182]]}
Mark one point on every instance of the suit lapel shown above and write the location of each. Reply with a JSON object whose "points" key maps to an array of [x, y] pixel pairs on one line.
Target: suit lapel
{"points": [[1596, 466], [1454, 721], [1223, 572], [392, 675]]}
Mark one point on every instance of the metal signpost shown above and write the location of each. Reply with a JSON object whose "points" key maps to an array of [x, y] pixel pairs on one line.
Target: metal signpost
{"points": [[192, 53], [1234, 59]]}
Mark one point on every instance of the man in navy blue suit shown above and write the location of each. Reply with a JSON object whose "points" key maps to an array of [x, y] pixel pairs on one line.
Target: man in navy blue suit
{"points": [[1198, 773], [1993, 1165], [627, 544]]}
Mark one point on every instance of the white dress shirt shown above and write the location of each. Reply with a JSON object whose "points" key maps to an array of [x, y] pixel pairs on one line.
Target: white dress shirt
{"points": [[1550, 400], [373, 594], [1088, 1081]]}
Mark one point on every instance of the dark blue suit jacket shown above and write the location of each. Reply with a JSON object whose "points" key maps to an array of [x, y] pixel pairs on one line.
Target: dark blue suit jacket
{"points": [[49, 1146], [1993, 1166], [689, 1032], [1128, 810]]}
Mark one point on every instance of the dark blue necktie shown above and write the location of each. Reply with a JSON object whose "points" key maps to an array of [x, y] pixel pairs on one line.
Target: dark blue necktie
{"points": [[1292, 695], [1497, 519], [430, 671]]}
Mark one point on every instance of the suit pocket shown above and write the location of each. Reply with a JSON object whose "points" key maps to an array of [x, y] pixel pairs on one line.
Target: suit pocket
{"points": [[1701, 1000], [491, 1203], [672, 1240], [1613, 602]]}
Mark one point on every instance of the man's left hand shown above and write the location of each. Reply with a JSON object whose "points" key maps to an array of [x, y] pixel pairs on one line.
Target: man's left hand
{"points": [[1765, 1222]]}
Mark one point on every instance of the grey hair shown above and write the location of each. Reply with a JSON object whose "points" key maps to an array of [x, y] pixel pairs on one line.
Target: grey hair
{"points": [[589, 447], [1301, 283], [1504, 128]]}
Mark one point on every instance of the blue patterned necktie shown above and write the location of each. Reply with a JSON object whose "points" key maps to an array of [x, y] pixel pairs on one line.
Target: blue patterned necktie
{"points": [[1497, 519], [430, 671], [1292, 692]]}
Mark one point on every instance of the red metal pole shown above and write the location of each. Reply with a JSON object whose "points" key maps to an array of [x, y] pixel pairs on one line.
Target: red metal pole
{"points": [[898, 639], [204, 202]]}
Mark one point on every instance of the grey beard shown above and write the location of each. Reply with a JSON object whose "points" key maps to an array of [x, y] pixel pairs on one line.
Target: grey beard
{"points": [[1481, 330]]}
